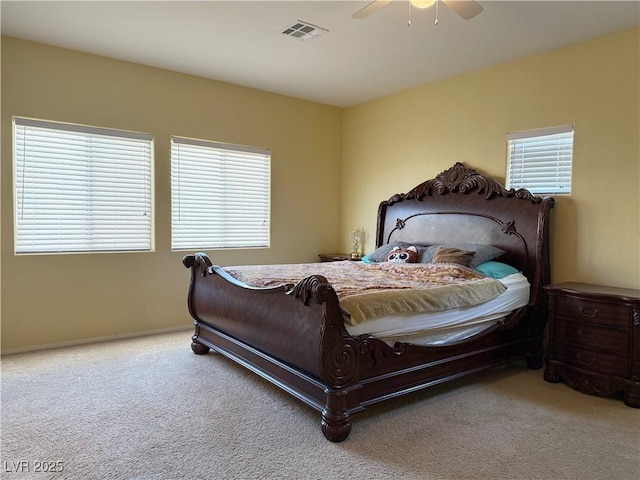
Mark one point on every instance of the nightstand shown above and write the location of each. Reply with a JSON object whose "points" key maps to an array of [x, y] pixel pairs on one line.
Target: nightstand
{"points": [[335, 257], [594, 339]]}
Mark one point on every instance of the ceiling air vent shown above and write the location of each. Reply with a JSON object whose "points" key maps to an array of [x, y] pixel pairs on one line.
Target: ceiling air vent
{"points": [[303, 30]]}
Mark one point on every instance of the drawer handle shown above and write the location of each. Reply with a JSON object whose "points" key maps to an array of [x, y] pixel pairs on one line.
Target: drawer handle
{"points": [[584, 362], [582, 336], [588, 312]]}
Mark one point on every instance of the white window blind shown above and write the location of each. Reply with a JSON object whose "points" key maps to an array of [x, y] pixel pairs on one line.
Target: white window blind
{"points": [[540, 160], [81, 189], [220, 195]]}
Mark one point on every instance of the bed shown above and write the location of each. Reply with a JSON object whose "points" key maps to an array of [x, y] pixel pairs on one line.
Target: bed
{"points": [[297, 334]]}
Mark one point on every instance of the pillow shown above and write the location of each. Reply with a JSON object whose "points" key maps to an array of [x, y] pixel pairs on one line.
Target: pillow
{"points": [[496, 270], [452, 255], [403, 255], [366, 259], [482, 253], [380, 253]]}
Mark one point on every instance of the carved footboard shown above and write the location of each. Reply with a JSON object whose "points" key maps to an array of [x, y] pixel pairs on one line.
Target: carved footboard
{"points": [[293, 336]]}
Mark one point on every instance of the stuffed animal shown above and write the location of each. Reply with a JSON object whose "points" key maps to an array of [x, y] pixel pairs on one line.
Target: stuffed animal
{"points": [[403, 255]]}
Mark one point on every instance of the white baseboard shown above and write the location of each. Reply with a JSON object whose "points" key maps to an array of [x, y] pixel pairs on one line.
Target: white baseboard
{"points": [[86, 341]]}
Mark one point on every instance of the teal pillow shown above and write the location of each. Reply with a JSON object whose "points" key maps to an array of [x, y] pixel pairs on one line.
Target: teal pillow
{"points": [[496, 269]]}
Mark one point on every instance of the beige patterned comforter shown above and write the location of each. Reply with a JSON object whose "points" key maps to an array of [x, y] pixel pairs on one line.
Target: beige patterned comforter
{"points": [[369, 291]]}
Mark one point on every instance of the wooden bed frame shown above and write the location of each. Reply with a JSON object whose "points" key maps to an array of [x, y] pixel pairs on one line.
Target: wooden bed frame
{"points": [[295, 336]]}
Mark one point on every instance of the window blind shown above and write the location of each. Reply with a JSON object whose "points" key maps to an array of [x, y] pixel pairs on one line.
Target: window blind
{"points": [[220, 195], [541, 160], [81, 189]]}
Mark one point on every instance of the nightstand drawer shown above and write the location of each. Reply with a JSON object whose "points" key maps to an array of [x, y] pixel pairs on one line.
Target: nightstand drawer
{"points": [[605, 339], [601, 362], [578, 309]]}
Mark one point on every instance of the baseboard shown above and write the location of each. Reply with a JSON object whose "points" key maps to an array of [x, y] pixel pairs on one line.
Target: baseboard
{"points": [[87, 341]]}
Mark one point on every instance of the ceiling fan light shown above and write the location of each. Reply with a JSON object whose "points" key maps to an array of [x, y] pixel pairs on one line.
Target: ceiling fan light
{"points": [[422, 3]]}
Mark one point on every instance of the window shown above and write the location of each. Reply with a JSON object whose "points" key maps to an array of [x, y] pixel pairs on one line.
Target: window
{"points": [[220, 195], [540, 160], [81, 189]]}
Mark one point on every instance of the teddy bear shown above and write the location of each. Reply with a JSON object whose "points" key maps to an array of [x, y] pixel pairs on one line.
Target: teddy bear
{"points": [[403, 255]]}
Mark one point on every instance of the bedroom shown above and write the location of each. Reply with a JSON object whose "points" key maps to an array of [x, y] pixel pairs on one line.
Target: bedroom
{"points": [[592, 84], [331, 167]]}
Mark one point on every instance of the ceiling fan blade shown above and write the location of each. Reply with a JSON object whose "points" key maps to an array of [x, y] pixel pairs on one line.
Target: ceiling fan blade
{"points": [[370, 8], [465, 8]]}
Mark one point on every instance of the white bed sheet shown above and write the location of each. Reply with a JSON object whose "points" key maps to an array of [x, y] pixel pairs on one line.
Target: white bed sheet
{"points": [[449, 326]]}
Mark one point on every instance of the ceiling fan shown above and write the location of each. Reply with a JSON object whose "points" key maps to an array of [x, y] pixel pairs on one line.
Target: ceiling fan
{"points": [[465, 8]]}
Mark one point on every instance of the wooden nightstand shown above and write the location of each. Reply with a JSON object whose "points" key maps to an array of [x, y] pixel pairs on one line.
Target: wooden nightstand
{"points": [[335, 257], [594, 339]]}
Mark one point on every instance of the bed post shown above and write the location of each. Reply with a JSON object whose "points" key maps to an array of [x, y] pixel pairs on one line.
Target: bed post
{"points": [[338, 358], [339, 368], [196, 262], [542, 277]]}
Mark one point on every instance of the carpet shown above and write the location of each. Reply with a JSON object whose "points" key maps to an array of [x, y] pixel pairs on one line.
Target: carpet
{"points": [[148, 408]]}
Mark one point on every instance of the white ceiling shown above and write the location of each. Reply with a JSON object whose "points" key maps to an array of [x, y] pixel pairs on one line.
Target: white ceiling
{"points": [[357, 60]]}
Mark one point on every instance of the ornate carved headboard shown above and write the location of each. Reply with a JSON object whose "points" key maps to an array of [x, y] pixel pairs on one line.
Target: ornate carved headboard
{"points": [[461, 206]]}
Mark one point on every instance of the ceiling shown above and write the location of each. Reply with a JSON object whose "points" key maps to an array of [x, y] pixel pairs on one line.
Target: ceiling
{"points": [[241, 42]]}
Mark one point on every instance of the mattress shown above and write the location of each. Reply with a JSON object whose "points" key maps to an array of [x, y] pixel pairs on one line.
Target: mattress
{"points": [[450, 326]]}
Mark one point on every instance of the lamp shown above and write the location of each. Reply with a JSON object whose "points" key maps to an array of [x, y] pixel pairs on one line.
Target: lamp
{"points": [[422, 3], [356, 236]]}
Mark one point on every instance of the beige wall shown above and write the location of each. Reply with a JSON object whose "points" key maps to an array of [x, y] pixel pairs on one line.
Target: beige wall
{"points": [[330, 169], [48, 299], [393, 143]]}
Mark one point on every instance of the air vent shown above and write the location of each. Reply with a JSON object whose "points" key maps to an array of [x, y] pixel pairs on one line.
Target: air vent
{"points": [[303, 30]]}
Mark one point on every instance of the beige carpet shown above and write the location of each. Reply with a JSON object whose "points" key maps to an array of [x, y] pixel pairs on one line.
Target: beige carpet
{"points": [[150, 409]]}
